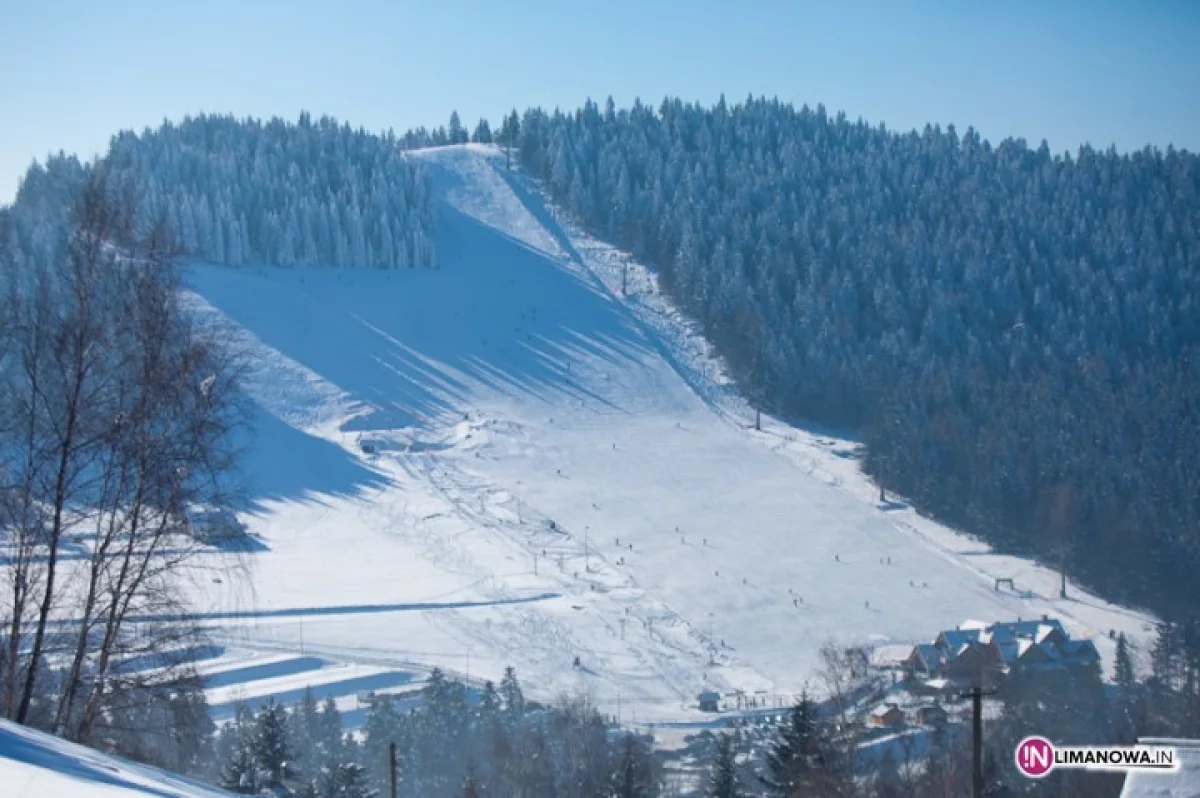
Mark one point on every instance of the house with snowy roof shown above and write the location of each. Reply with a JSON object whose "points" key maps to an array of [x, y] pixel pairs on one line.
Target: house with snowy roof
{"points": [[977, 650]]}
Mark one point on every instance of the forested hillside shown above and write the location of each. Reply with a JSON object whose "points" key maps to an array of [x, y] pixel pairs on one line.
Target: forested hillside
{"points": [[1015, 333], [242, 191]]}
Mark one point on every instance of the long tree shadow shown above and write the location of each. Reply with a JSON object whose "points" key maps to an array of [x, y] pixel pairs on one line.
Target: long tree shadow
{"points": [[281, 462], [414, 345]]}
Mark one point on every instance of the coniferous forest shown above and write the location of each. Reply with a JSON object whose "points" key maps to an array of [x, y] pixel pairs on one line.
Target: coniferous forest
{"points": [[1013, 333], [239, 192]]}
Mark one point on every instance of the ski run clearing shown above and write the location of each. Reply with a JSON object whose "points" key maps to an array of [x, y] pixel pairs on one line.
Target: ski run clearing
{"points": [[504, 460]]}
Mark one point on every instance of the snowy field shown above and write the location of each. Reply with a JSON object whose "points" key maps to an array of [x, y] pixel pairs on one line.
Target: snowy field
{"points": [[37, 765], [505, 461]]}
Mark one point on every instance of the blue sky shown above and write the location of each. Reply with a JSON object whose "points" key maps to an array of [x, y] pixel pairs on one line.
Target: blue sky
{"points": [[1069, 71]]}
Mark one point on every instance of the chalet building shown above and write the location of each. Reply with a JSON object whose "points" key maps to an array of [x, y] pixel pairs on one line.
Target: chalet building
{"points": [[973, 663], [924, 660], [978, 651]]}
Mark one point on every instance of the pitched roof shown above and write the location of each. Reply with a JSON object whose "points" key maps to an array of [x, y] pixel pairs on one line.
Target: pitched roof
{"points": [[928, 653], [1080, 649], [1028, 628], [1044, 631], [891, 655], [955, 639]]}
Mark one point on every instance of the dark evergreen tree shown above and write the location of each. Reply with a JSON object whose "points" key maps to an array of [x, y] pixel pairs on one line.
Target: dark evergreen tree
{"points": [[455, 131], [272, 751], [350, 781], [800, 754], [329, 728], [471, 784], [483, 133], [723, 778], [510, 692], [1125, 676], [241, 772], [636, 775]]}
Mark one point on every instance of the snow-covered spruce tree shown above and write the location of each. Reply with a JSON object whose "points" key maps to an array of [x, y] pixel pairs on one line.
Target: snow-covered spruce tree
{"points": [[483, 133], [800, 752], [455, 131], [235, 749], [511, 695], [305, 194], [723, 778], [271, 746], [636, 774]]}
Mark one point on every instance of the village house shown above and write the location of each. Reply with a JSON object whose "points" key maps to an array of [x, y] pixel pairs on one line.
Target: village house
{"points": [[888, 716], [978, 651]]}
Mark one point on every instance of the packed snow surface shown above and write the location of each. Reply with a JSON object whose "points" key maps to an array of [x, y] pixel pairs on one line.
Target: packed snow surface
{"points": [[37, 765], [508, 460]]}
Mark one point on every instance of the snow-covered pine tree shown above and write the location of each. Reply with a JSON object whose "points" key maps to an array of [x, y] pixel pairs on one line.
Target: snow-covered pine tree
{"points": [[271, 746], [455, 131], [723, 779], [511, 694], [634, 776], [196, 175], [483, 133], [241, 772], [1124, 673], [798, 750]]}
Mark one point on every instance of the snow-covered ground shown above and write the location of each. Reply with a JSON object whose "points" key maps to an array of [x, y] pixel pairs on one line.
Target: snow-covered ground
{"points": [[37, 765], [558, 471]]}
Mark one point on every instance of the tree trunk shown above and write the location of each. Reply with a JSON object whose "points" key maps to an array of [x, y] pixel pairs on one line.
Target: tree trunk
{"points": [[99, 556], [60, 495]]}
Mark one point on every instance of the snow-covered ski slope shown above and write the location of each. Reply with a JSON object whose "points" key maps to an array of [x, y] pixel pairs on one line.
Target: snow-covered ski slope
{"points": [[523, 418], [37, 765]]}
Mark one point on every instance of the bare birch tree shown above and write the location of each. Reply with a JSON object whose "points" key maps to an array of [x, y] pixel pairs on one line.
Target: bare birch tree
{"points": [[117, 418]]}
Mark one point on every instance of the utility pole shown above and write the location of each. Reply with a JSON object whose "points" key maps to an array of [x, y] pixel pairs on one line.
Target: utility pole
{"points": [[587, 562], [625, 276], [1062, 572], [977, 742], [392, 767], [976, 695]]}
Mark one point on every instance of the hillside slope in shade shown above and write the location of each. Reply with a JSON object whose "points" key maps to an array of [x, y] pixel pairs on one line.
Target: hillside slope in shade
{"points": [[38, 765]]}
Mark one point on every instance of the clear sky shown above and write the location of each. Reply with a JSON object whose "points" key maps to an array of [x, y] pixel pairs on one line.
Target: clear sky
{"points": [[1069, 71]]}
